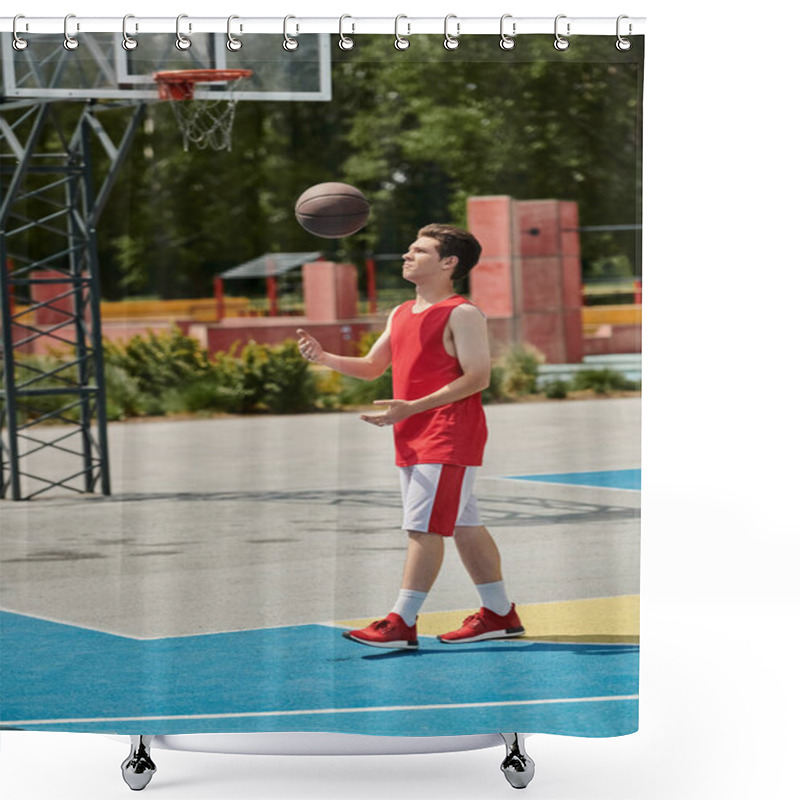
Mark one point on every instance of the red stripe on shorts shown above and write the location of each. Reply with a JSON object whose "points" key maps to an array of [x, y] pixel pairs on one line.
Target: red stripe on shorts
{"points": [[448, 498]]}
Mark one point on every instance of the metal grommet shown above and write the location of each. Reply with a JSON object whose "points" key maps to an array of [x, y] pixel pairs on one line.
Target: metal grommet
{"points": [[561, 43], [345, 42], [289, 43], [622, 43], [450, 41], [128, 43], [400, 42], [70, 42], [18, 44], [507, 42], [233, 44], [181, 42]]}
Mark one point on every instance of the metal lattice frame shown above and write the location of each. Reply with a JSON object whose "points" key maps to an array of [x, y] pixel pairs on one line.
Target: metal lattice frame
{"points": [[47, 180]]}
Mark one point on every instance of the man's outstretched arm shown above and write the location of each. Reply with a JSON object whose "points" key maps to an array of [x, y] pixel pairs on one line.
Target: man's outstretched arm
{"points": [[367, 367]]}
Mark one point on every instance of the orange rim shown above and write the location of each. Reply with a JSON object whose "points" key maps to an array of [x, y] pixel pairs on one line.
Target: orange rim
{"points": [[179, 84]]}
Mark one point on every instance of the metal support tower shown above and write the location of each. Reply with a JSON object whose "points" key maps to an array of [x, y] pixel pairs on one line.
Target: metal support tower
{"points": [[50, 294]]}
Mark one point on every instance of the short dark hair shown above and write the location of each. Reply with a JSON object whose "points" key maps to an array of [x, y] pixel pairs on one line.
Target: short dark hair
{"points": [[455, 242]]}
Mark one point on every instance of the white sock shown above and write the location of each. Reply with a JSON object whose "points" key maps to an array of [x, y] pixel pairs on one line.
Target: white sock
{"points": [[408, 604], [494, 597]]}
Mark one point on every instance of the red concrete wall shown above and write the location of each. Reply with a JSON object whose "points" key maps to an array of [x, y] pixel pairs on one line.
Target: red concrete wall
{"points": [[340, 337], [529, 273], [615, 339], [56, 311]]}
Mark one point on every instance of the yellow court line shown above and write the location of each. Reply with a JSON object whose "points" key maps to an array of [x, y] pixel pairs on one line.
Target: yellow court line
{"points": [[599, 620]]}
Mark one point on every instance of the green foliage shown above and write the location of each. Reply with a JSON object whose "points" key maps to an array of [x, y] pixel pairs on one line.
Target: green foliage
{"points": [[602, 381], [494, 392], [241, 383], [521, 369], [124, 397], [289, 385], [360, 393], [159, 360], [556, 390], [355, 392], [52, 371], [513, 376], [169, 373]]}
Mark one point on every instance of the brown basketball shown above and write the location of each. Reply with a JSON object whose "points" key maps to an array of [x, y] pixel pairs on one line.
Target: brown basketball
{"points": [[332, 210]]}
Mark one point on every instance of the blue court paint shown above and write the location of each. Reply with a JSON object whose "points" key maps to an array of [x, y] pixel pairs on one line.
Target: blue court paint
{"points": [[54, 673], [607, 479]]}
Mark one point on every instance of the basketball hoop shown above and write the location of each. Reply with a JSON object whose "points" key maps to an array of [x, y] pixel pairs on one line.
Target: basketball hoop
{"points": [[204, 123]]}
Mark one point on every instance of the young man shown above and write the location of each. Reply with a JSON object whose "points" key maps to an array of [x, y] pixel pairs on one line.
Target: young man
{"points": [[438, 348]]}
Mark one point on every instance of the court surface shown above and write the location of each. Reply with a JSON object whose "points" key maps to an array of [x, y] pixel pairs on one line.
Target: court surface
{"points": [[209, 591]]}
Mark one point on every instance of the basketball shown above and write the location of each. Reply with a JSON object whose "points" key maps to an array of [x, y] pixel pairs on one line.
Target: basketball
{"points": [[332, 210]]}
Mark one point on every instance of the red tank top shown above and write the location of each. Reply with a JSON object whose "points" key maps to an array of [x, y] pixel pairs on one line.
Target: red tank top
{"points": [[451, 434]]}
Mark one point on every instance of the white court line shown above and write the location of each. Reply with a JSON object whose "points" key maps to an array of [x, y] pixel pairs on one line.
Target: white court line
{"points": [[318, 711]]}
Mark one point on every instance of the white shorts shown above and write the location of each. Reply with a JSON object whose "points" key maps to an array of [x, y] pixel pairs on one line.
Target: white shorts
{"points": [[438, 497]]}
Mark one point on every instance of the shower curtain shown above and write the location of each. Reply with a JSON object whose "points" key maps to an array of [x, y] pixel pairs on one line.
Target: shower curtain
{"points": [[201, 521]]}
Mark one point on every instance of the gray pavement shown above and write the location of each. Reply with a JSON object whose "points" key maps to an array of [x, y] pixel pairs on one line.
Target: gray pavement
{"points": [[250, 522]]}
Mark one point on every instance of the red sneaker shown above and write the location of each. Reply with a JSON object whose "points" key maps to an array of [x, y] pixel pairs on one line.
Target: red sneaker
{"points": [[389, 632], [485, 625]]}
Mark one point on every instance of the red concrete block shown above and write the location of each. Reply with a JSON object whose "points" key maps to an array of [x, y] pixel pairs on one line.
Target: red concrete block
{"points": [[626, 339], [538, 227], [568, 224], [572, 327], [488, 220], [58, 309], [490, 287], [346, 291], [501, 332], [544, 331], [330, 291], [571, 283], [540, 282]]}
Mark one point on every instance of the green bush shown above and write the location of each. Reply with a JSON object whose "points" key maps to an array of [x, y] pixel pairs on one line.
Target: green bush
{"points": [[169, 373], [289, 386], [31, 373], [240, 381], [514, 375], [494, 392], [556, 390], [124, 398], [159, 361], [521, 371], [602, 381]]}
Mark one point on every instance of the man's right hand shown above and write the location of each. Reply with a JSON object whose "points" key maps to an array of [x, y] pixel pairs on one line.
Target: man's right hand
{"points": [[310, 348]]}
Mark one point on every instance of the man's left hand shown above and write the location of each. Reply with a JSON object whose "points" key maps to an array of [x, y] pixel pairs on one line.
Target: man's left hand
{"points": [[395, 411]]}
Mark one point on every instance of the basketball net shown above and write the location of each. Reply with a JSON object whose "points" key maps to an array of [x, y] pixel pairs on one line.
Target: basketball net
{"points": [[203, 123]]}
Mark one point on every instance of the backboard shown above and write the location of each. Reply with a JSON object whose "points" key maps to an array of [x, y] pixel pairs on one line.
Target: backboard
{"points": [[101, 69]]}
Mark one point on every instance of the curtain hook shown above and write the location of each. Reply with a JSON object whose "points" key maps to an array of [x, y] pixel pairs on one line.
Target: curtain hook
{"points": [[233, 44], [507, 41], [19, 44], [400, 42], [622, 43], [561, 43], [70, 42], [181, 42], [128, 42], [345, 42], [289, 43], [450, 41]]}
